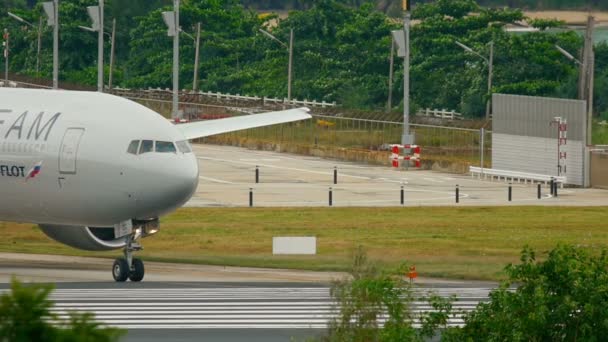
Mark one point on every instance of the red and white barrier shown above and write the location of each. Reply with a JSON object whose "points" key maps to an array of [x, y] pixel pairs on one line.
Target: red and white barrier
{"points": [[400, 152]]}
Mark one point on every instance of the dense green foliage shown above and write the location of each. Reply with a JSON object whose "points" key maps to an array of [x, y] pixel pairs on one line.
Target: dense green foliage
{"points": [[369, 297], [341, 52], [25, 315], [562, 298]]}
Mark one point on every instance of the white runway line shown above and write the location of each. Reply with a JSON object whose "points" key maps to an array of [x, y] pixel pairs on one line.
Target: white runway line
{"points": [[215, 180], [228, 308]]}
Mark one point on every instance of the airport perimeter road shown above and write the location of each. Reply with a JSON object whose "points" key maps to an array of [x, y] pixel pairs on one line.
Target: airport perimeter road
{"points": [[220, 312], [227, 174]]}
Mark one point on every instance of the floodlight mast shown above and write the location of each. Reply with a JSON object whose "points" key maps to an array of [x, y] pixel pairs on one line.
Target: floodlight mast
{"points": [[175, 111], [51, 9], [290, 64], [407, 138], [490, 63]]}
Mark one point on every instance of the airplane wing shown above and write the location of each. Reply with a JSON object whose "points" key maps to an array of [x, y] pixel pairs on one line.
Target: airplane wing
{"points": [[201, 129]]}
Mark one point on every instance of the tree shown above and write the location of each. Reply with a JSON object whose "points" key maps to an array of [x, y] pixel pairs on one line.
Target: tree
{"points": [[25, 315], [562, 298]]}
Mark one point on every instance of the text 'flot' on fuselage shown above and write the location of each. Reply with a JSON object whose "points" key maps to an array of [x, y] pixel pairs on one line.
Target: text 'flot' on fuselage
{"points": [[29, 126]]}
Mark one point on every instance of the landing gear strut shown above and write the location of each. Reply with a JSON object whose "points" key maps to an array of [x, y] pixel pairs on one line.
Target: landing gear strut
{"points": [[129, 267]]}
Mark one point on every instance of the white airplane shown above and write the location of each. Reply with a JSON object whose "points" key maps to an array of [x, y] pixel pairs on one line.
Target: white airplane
{"points": [[96, 171]]}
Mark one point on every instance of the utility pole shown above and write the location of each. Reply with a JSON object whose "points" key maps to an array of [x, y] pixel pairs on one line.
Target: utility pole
{"points": [[589, 71], [112, 53], [490, 75], [175, 112], [407, 138], [55, 44], [100, 49], [51, 9], [39, 46], [6, 37], [389, 105], [289, 72], [196, 57]]}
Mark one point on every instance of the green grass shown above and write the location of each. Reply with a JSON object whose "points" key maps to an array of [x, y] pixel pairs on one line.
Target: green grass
{"points": [[474, 243], [600, 134]]}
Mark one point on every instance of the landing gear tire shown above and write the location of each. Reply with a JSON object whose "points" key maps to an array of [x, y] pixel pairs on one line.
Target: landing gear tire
{"points": [[137, 271], [120, 270]]}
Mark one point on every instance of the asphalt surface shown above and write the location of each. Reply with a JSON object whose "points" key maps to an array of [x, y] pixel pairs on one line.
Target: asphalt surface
{"points": [[285, 180], [153, 311], [177, 302]]}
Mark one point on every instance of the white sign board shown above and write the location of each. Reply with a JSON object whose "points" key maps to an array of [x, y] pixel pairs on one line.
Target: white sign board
{"points": [[399, 37], [294, 245]]}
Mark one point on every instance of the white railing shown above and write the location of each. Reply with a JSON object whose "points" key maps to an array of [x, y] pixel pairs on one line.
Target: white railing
{"points": [[514, 176], [441, 114], [221, 96]]}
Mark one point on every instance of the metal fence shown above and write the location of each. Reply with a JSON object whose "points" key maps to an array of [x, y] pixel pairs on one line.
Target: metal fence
{"points": [[439, 143]]}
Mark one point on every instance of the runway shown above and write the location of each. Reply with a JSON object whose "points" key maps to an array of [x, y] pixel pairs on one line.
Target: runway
{"points": [[223, 311], [180, 302]]}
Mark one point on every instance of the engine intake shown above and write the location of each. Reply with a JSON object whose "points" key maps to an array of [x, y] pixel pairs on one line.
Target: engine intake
{"points": [[85, 238]]}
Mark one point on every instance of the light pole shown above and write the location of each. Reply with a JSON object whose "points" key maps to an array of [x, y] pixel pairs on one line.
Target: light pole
{"points": [[172, 20], [39, 28], [389, 105], [96, 15], [112, 37], [6, 37], [490, 62], [587, 74], [290, 66], [407, 138], [51, 9], [197, 43]]}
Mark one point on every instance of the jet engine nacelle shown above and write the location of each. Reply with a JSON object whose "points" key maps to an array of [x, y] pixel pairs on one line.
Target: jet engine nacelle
{"points": [[86, 238]]}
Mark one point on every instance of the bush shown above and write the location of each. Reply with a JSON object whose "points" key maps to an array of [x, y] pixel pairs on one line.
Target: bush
{"points": [[563, 298], [375, 306], [25, 315]]}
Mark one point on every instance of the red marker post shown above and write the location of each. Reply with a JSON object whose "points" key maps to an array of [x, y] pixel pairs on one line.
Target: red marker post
{"points": [[412, 274]]}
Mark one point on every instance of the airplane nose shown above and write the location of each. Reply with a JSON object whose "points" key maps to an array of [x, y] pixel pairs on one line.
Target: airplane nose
{"points": [[183, 180], [170, 188]]}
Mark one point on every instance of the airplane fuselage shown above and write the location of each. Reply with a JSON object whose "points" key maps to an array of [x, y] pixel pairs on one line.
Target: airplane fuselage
{"points": [[64, 159]]}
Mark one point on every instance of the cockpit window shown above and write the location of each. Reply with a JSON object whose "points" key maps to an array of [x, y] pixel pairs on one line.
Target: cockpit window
{"points": [[146, 146], [165, 147], [184, 146], [133, 146]]}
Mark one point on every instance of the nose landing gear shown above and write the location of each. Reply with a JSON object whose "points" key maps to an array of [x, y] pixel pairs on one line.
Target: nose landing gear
{"points": [[129, 267]]}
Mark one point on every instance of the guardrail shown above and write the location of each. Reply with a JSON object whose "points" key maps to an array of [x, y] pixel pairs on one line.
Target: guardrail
{"points": [[156, 93], [441, 114], [484, 173]]}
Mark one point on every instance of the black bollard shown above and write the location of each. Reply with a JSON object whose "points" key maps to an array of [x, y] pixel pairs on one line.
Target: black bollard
{"points": [[257, 174], [457, 194], [555, 189], [551, 183], [251, 197], [335, 175], [510, 192], [402, 196], [331, 200], [538, 191]]}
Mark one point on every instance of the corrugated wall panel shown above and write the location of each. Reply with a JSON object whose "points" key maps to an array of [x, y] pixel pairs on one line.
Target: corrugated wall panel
{"points": [[531, 116], [523, 139], [536, 155]]}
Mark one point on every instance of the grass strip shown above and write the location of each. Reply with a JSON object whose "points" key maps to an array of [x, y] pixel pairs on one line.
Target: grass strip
{"points": [[452, 242]]}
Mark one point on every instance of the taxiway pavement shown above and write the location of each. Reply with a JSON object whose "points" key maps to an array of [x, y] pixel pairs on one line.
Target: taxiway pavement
{"points": [[228, 173]]}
